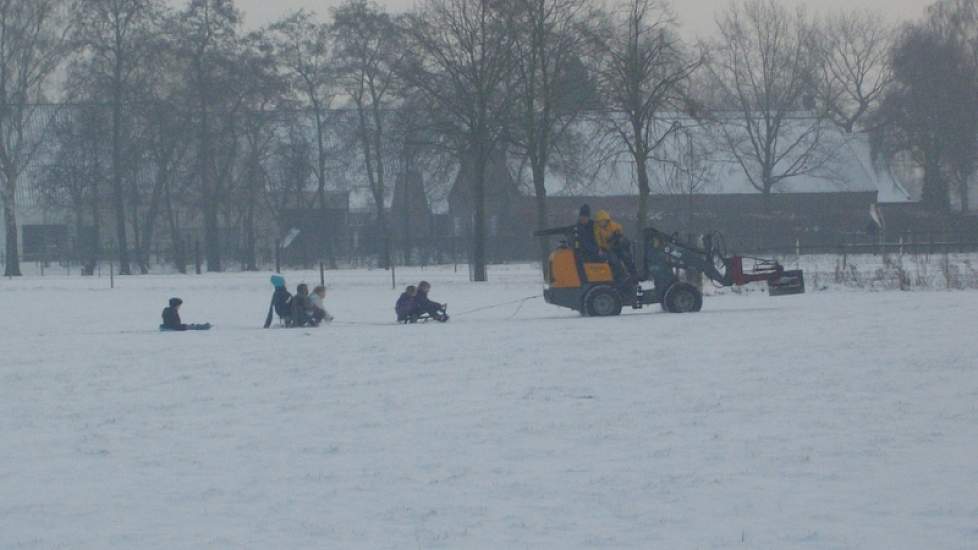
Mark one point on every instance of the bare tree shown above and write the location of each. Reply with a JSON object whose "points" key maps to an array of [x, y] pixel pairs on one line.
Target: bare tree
{"points": [[72, 177], [957, 22], [552, 87], [931, 113], [207, 37], [116, 35], [259, 128], [642, 67], [303, 49], [854, 70], [33, 44], [368, 49], [462, 61], [263, 89], [763, 65]]}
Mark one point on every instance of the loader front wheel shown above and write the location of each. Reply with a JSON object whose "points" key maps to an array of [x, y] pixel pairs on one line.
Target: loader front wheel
{"points": [[682, 298], [603, 301]]}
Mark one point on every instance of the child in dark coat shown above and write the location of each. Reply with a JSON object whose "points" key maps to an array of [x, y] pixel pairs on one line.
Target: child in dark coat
{"points": [[171, 318], [424, 305], [303, 313], [405, 304], [281, 302]]}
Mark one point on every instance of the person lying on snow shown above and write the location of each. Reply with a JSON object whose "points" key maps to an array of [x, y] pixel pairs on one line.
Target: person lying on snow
{"points": [[319, 312], [171, 318], [611, 240], [425, 306], [281, 302], [303, 312], [405, 304]]}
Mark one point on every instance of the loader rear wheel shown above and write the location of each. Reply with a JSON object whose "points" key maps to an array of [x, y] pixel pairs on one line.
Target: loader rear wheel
{"points": [[682, 298], [603, 301]]}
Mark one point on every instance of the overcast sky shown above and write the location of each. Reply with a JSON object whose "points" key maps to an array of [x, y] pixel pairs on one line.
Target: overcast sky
{"points": [[696, 16]]}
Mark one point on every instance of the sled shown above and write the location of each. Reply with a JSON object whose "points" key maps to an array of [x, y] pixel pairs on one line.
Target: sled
{"points": [[205, 326], [425, 317]]}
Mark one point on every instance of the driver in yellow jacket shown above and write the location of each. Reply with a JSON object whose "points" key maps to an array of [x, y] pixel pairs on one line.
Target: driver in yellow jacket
{"points": [[606, 231], [611, 240]]}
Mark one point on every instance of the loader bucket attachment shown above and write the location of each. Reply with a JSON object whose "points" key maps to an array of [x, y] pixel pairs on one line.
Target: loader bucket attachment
{"points": [[787, 284]]}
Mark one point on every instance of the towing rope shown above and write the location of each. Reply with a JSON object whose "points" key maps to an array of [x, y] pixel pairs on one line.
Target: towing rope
{"points": [[521, 302]]}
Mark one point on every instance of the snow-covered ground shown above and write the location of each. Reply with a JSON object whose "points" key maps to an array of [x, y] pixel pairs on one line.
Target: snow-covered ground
{"points": [[837, 419]]}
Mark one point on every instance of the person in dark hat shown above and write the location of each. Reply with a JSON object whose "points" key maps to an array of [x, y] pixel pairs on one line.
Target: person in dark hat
{"points": [[171, 318], [584, 240], [423, 305]]}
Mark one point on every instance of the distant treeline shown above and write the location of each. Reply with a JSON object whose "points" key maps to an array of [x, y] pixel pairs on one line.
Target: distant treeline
{"points": [[139, 119]]}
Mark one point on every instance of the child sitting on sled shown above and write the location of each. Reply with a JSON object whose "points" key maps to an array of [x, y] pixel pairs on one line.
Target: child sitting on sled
{"points": [[424, 306], [281, 302], [303, 312], [405, 304], [317, 299], [171, 318]]}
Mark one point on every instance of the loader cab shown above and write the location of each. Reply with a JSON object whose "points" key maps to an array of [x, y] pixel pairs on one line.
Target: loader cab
{"points": [[567, 270], [587, 287]]}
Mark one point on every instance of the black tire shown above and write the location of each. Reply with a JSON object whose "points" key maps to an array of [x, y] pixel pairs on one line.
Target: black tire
{"points": [[603, 301], [682, 298]]}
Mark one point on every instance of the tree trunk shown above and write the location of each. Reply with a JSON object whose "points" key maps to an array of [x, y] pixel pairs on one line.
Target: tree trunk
{"points": [[95, 247], [326, 241], [479, 271], [250, 238], [249, 256], [965, 196], [644, 190], [118, 199], [385, 239], [935, 191], [212, 242], [179, 252], [540, 190], [149, 226], [381, 183], [12, 258]]}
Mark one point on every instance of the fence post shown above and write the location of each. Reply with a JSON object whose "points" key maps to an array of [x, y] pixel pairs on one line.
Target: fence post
{"points": [[111, 275], [322, 273], [901, 246], [845, 258]]}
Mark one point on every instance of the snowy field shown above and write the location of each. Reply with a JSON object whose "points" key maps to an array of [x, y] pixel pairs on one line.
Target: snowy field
{"points": [[837, 419]]}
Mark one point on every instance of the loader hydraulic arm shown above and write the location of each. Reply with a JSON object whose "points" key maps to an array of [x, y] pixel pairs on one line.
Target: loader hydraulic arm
{"points": [[664, 253]]}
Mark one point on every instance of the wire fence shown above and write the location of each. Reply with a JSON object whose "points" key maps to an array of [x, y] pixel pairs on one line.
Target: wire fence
{"points": [[353, 252]]}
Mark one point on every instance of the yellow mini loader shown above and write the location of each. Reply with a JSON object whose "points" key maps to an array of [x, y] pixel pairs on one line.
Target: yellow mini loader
{"points": [[590, 287]]}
